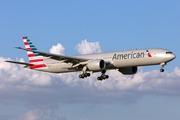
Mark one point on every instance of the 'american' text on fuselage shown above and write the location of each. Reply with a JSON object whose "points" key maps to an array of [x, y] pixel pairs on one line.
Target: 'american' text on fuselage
{"points": [[128, 56]]}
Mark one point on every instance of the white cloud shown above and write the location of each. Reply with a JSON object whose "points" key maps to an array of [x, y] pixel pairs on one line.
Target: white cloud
{"points": [[46, 90], [177, 71], [20, 83], [14, 73], [57, 49], [38, 114], [86, 47]]}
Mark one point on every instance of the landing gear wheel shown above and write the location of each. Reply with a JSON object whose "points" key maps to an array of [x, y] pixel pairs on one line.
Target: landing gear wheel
{"points": [[84, 75], [103, 76], [161, 70], [80, 76], [107, 76], [88, 74], [99, 78]]}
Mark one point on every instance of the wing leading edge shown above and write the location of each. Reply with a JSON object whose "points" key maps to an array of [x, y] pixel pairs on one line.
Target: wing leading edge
{"points": [[62, 58]]}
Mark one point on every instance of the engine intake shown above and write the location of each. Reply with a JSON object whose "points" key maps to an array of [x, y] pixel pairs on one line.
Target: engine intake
{"points": [[128, 70], [96, 65]]}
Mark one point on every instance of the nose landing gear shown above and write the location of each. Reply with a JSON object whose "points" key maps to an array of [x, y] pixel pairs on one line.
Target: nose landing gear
{"points": [[162, 65]]}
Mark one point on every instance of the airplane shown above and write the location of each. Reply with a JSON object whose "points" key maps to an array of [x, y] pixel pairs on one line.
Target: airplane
{"points": [[126, 62]]}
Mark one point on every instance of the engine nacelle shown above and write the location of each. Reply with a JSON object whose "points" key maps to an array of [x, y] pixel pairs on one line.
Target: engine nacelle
{"points": [[96, 65], [128, 70]]}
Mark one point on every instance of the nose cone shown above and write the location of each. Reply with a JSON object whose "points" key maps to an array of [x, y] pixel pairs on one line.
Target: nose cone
{"points": [[173, 56], [169, 56]]}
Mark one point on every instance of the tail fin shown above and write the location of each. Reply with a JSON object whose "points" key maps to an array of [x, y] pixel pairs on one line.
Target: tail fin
{"points": [[33, 57]]}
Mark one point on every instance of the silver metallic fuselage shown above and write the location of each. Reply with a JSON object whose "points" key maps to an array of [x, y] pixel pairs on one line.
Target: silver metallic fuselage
{"points": [[115, 60]]}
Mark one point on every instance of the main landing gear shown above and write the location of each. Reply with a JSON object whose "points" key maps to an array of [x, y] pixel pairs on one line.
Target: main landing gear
{"points": [[162, 65], [103, 76], [84, 75]]}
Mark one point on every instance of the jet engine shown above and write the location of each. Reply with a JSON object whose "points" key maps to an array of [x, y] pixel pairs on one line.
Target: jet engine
{"points": [[96, 65], [128, 70]]}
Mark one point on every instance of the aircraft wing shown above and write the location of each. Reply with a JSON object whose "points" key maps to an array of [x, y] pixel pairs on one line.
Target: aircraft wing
{"points": [[66, 59], [20, 63]]}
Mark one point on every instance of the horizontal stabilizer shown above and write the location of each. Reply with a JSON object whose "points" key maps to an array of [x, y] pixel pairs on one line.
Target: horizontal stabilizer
{"points": [[20, 63]]}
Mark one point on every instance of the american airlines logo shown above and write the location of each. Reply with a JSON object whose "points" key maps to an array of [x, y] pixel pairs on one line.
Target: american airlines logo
{"points": [[149, 55], [128, 56]]}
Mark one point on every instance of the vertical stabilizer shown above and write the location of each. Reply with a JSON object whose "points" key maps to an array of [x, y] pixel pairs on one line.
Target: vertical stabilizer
{"points": [[33, 57]]}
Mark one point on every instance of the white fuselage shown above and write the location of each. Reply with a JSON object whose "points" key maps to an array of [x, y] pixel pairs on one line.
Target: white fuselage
{"points": [[115, 60]]}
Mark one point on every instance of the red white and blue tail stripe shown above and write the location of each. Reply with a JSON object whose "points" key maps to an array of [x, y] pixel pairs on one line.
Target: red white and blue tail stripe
{"points": [[34, 58]]}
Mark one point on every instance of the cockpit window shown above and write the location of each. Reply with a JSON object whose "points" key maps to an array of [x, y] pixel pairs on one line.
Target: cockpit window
{"points": [[168, 52]]}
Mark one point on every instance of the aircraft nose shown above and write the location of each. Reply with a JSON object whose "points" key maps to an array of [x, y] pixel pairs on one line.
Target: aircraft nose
{"points": [[170, 56], [173, 56]]}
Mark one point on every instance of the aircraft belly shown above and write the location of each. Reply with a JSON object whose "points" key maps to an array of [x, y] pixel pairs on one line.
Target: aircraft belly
{"points": [[155, 60], [124, 63], [61, 68], [44, 69], [136, 62]]}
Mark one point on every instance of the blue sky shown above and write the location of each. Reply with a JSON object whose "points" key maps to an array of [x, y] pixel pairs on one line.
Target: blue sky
{"points": [[117, 25]]}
